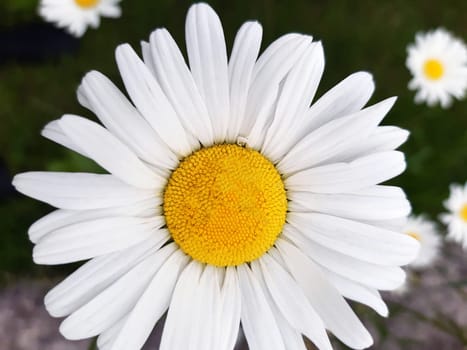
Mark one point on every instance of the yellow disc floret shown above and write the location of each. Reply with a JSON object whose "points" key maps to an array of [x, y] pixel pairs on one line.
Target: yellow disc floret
{"points": [[225, 205], [87, 3], [463, 212], [433, 69]]}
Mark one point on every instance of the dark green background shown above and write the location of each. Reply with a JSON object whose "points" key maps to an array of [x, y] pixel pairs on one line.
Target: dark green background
{"points": [[357, 35]]}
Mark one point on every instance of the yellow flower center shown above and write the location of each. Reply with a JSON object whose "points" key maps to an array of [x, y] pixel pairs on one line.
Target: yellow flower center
{"points": [[415, 235], [225, 205], [87, 3], [433, 69], [463, 213]]}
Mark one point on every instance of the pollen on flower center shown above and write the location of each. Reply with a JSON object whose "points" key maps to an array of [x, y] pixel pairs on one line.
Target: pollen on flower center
{"points": [[433, 69], [87, 3], [463, 212], [225, 205]]}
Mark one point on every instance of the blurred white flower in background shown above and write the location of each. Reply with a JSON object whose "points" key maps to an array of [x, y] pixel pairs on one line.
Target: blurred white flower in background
{"points": [[77, 15], [424, 231], [456, 219], [438, 63]]}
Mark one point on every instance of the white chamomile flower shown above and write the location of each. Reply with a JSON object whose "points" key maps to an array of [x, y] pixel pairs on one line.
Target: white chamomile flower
{"points": [[456, 219], [76, 15], [424, 231], [438, 63], [229, 200]]}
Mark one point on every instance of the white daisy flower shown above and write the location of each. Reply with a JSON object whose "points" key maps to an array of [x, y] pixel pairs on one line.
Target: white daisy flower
{"points": [[76, 15], [438, 63], [456, 219], [424, 231], [229, 200]]}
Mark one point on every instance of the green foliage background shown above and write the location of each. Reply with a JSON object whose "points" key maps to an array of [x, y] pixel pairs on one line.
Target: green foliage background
{"points": [[357, 35]]}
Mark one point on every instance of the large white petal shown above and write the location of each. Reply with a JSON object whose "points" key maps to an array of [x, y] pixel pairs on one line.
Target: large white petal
{"points": [[258, 321], [106, 339], [272, 52], [122, 119], [359, 240], [381, 191], [231, 308], [152, 304], [62, 217], [333, 138], [148, 57], [296, 95], [371, 275], [109, 152], [180, 317], [88, 239], [96, 275], [53, 132], [293, 303], [357, 292], [96, 316], [347, 177], [347, 97], [177, 82], [208, 307], [292, 338], [395, 225], [151, 101], [384, 138], [242, 61], [78, 191], [337, 315], [207, 55], [270, 70], [357, 206]]}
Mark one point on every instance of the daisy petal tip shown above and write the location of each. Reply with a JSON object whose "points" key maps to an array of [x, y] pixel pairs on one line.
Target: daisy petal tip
{"points": [[51, 308], [319, 46], [405, 134], [201, 6], [20, 182], [68, 122], [253, 27], [92, 74], [122, 49], [66, 330], [383, 310], [47, 127], [201, 9], [392, 100], [364, 341], [155, 34], [39, 256], [368, 342], [410, 247], [16, 182], [364, 76]]}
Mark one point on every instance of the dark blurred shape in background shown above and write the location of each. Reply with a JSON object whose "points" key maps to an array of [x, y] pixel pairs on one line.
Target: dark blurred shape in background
{"points": [[6, 189], [35, 42]]}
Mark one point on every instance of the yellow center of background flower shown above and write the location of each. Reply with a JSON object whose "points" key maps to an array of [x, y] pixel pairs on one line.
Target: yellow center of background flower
{"points": [[415, 235], [87, 3], [463, 213], [225, 205], [433, 69]]}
